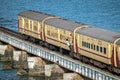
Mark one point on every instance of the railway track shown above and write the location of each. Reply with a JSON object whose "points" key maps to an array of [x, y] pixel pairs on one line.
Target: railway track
{"points": [[10, 32], [20, 36]]}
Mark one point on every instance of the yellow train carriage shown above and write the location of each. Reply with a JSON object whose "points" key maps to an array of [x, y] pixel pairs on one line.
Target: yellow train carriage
{"points": [[57, 36], [30, 27], [51, 34], [89, 41], [96, 49], [29, 23], [97, 44]]}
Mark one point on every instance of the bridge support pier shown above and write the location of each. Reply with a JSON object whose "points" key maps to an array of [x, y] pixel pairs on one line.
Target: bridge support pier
{"points": [[72, 76], [36, 66], [20, 60], [53, 72], [6, 56]]}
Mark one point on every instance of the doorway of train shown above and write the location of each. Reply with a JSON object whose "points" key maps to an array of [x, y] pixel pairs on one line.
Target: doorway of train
{"points": [[118, 56]]}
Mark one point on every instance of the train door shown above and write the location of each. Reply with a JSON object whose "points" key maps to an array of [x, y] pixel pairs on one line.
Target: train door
{"points": [[76, 42], [21, 24], [118, 56], [30, 28], [115, 59]]}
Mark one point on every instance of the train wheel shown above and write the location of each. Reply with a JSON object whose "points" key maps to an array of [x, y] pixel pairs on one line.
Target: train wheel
{"points": [[80, 58], [41, 43], [25, 37], [71, 54], [111, 68], [85, 60], [61, 50], [32, 39], [52, 47], [47, 45]]}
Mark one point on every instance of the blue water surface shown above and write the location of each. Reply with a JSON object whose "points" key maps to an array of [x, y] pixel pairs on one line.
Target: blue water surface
{"points": [[100, 13]]}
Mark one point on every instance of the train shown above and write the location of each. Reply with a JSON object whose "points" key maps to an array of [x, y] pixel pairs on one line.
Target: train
{"points": [[84, 42]]}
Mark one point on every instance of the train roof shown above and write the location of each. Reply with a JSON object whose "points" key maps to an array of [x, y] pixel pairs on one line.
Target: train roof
{"points": [[91, 31], [57, 22], [63, 23], [39, 16], [99, 33]]}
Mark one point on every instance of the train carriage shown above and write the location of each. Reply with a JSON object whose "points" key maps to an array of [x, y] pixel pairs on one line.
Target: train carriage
{"points": [[64, 31], [91, 44], [30, 23], [99, 42]]}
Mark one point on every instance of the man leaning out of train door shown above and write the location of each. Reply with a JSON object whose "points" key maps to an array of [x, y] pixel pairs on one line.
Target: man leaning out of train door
{"points": [[68, 43]]}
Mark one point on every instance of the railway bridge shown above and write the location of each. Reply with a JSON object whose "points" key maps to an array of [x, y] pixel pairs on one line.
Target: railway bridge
{"points": [[64, 61]]}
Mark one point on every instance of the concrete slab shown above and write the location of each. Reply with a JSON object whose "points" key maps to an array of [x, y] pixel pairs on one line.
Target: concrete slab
{"points": [[36, 66], [53, 69], [20, 59], [2, 49], [72, 76]]}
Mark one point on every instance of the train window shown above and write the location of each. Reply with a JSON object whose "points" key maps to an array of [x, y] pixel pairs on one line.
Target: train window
{"points": [[26, 24], [88, 45], [97, 48], [30, 25], [83, 43], [35, 28], [104, 50], [101, 49], [91, 46], [94, 47]]}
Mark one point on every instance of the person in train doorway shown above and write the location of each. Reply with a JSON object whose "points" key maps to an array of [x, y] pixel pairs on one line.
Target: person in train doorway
{"points": [[68, 43]]}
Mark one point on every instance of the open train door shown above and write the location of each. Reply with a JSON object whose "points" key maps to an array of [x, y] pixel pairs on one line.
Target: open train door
{"points": [[115, 58], [118, 57]]}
